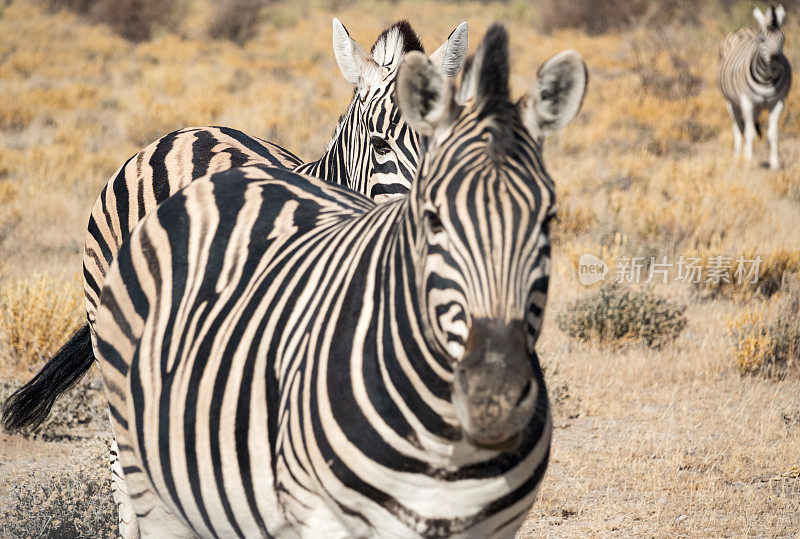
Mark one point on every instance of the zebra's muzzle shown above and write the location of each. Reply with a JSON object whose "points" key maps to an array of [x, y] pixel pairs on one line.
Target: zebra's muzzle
{"points": [[494, 390]]}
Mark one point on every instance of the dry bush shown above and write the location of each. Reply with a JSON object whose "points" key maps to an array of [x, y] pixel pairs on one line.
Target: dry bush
{"points": [[82, 407], [37, 316], [602, 16], [768, 343], [665, 66], [775, 271], [137, 20], [73, 502], [80, 7], [236, 20], [616, 316]]}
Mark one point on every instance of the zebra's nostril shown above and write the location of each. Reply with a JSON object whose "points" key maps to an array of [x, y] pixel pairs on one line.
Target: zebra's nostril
{"points": [[524, 394]]}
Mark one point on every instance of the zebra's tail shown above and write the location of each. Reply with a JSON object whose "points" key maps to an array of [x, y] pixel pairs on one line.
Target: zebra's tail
{"points": [[29, 406]]}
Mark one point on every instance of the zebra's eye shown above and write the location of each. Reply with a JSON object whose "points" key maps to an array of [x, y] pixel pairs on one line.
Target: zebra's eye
{"points": [[433, 223], [380, 146]]}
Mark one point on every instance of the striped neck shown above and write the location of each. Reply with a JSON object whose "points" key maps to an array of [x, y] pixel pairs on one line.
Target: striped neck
{"points": [[345, 160], [420, 375]]}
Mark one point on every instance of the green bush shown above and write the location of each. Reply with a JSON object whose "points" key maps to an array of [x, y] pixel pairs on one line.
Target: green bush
{"points": [[616, 316]]}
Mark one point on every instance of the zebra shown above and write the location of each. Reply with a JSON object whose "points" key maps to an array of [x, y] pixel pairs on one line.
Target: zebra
{"points": [[754, 75], [373, 151], [286, 357]]}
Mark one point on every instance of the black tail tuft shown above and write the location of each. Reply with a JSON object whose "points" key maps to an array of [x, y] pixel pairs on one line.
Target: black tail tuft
{"points": [[29, 406]]}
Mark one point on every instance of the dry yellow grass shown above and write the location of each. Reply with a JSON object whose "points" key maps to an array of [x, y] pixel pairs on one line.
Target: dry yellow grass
{"points": [[655, 443], [37, 316]]}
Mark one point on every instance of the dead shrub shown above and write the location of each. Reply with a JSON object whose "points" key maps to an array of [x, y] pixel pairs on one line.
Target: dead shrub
{"points": [[664, 66], [602, 16], [236, 20], [776, 270], [768, 343], [81, 7], [74, 501], [616, 316], [37, 316], [137, 20]]}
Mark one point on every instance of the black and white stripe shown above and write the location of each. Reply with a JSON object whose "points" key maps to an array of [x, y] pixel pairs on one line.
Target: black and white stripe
{"points": [[754, 75], [285, 357], [282, 356], [373, 150]]}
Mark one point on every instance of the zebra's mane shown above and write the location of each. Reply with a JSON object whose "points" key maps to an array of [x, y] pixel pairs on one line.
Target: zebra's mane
{"points": [[773, 20], [394, 43], [492, 96]]}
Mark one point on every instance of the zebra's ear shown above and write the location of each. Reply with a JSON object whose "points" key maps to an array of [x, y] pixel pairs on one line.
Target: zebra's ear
{"points": [[780, 14], [356, 64], [557, 94], [424, 94], [449, 58], [759, 16]]}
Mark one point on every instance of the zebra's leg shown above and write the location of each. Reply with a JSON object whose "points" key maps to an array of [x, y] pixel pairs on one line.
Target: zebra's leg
{"points": [[736, 119], [748, 115], [128, 526], [772, 135]]}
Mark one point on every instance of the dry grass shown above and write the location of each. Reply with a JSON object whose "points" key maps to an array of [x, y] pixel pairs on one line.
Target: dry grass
{"points": [[766, 340], [647, 442], [36, 317]]}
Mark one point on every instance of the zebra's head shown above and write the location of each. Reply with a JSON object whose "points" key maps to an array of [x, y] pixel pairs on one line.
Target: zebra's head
{"points": [[383, 152], [479, 213], [770, 38]]}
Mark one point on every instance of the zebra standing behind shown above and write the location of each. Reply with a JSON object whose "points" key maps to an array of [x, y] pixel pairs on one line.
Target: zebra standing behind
{"points": [[754, 75], [373, 150], [284, 357]]}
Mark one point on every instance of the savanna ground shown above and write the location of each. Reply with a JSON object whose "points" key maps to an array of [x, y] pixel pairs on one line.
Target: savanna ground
{"points": [[696, 437]]}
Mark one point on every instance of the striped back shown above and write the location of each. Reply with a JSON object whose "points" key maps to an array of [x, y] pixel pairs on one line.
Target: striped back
{"points": [[153, 175]]}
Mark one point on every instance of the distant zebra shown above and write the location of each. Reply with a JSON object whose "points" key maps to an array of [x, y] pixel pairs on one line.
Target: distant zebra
{"points": [[283, 357], [754, 75]]}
